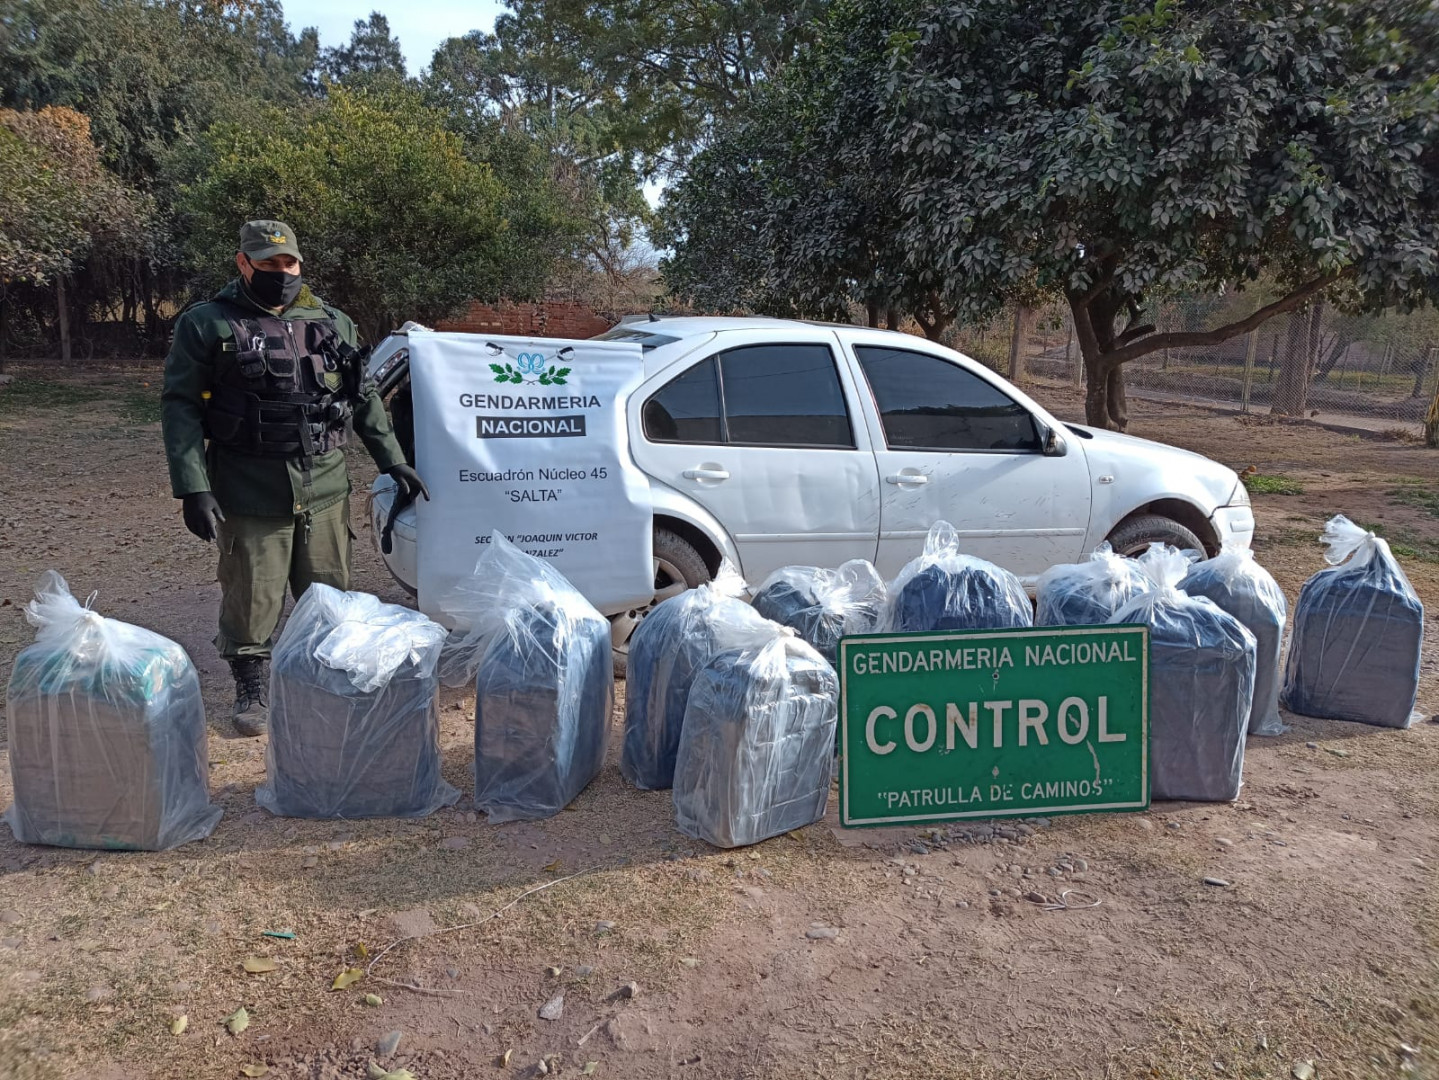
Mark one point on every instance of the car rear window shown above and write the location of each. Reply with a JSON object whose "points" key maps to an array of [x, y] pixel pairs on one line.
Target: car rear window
{"points": [[687, 408], [647, 340], [756, 395]]}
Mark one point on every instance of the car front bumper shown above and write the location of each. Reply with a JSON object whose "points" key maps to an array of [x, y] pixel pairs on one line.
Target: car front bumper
{"points": [[1234, 524]]}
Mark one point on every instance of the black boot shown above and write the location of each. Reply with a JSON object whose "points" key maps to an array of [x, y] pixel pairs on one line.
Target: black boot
{"points": [[252, 696]]}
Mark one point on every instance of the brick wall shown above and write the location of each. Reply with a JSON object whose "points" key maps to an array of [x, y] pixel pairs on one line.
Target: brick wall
{"points": [[551, 319]]}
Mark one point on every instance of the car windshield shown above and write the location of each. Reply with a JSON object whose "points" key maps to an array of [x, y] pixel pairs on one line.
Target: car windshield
{"points": [[646, 339]]}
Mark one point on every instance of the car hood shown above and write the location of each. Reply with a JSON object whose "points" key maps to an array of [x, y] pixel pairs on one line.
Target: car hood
{"points": [[1111, 452]]}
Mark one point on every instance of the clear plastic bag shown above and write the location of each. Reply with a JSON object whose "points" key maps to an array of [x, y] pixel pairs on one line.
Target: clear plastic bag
{"points": [[757, 749], [944, 589], [543, 667], [1240, 586], [1358, 627], [1087, 593], [107, 738], [1201, 684], [354, 725], [667, 649], [822, 605]]}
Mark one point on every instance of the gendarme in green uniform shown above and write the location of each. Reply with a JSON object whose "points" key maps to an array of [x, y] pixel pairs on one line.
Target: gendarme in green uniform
{"points": [[248, 484], [261, 384]]}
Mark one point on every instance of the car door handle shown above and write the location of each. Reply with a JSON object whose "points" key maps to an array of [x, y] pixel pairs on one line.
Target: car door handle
{"points": [[706, 474], [908, 478]]}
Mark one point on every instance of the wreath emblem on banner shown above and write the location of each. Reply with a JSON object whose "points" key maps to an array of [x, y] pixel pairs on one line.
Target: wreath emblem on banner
{"points": [[530, 367]]}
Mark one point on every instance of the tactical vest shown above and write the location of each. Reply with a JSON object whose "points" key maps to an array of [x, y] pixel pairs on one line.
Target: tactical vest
{"points": [[283, 387]]}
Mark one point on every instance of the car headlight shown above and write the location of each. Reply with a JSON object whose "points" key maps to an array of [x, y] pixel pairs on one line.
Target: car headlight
{"points": [[1240, 497]]}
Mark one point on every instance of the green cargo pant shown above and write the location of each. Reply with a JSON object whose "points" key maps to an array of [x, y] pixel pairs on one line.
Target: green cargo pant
{"points": [[259, 556]]}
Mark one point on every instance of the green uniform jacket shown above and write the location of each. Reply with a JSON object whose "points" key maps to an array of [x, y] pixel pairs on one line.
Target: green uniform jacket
{"points": [[248, 484]]}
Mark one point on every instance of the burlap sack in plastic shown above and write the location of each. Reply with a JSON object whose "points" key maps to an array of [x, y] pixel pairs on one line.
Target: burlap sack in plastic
{"points": [[1087, 593], [1358, 627], [541, 659], [756, 752], [1240, 586], [1201, 683], [944, 589], [822, 605], [107, 734], [667, 649], [354, 726]]}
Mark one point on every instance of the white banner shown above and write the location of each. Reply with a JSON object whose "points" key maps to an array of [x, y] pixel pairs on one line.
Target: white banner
{"points": [[528, 436]]}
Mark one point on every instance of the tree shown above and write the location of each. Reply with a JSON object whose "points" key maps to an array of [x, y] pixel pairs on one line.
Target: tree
{"points": [[1117, 152], [1113, 153], [791, 211], [150, 75], [59, 205], [396, 221], [373, 55], [652, 77]]}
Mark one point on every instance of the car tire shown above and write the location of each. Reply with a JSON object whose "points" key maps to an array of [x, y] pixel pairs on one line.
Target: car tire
{"points": [[1132, 536], [678, 567]]}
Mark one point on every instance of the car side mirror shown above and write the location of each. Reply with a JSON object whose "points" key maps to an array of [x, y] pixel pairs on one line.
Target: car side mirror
{"points": [[1054, 444]]}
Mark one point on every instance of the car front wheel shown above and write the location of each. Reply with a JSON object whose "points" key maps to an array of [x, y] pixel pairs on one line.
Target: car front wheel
{"points": [[1132, 536], [678, 566]]}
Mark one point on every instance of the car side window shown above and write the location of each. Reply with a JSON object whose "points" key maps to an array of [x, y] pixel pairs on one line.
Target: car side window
{"points": [[687, 408], [755, 395], [784, 395], [927, 403]]}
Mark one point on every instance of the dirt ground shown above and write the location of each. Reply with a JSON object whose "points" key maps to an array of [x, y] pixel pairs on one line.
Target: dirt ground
{"points": [[1320, 955]]}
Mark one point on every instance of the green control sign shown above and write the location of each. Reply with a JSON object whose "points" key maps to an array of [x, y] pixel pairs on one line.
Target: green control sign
{"points": [[992, 723]]}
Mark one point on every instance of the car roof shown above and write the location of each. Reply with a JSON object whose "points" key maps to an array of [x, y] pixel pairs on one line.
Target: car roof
{"points": [[682, 326]]}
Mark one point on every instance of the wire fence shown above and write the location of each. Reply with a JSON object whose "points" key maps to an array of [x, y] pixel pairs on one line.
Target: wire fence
{"points": [[1375, 372]]}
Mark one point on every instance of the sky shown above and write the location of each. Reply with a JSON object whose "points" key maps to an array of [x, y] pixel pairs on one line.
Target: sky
{"points": [[419, 24]]}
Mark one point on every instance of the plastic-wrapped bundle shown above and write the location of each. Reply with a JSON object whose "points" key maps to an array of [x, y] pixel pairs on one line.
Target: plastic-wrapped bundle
{"points": [[354, 727], [107, 733], [756, 752], [822, 605], [667, 649], [944, 589], [1087, 593], [544, 682], [1357, 631], [1240, 586], [1201, 683]]}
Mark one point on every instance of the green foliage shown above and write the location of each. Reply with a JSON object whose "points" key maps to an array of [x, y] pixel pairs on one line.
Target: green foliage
{"points": [[148, 74], [1258, 484], [58, 203], [372, 57], [792, 210], [1421, 498], [642, 81], [1109, 153], [395, 220]]}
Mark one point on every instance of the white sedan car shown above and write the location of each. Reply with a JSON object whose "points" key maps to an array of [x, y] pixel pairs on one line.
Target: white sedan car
{"points": [[771, 443]]}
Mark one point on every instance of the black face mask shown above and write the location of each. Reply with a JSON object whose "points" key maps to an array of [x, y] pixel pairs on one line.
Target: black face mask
{"points": [[273, 288]]}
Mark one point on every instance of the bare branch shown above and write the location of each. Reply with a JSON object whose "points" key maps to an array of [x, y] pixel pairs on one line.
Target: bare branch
{"points": [[1219, 334]]}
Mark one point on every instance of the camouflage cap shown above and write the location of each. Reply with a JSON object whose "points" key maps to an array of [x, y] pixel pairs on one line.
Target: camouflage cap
{"points": [[263, 239]]}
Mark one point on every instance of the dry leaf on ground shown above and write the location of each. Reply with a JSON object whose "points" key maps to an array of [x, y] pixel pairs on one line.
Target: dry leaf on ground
{"points": [[348, 977]]}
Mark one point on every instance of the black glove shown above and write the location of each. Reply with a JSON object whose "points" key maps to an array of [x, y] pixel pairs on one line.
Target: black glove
{"points": [[409, 483], [203, 514]]}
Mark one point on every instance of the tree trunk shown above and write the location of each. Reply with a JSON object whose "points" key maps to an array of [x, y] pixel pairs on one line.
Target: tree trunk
{"points": [[1019, 342], [1104, 399], [1291, 393], [893, 320], [62, 311], [1421, 370], [871, 314], [1116, 400]]}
